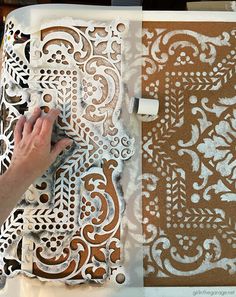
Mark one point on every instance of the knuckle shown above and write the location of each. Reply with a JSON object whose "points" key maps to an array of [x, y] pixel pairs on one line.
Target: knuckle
{"points": [[22, 145], [48, 121], [39, 120], [38, 141], [27, 124], [38, 123]]}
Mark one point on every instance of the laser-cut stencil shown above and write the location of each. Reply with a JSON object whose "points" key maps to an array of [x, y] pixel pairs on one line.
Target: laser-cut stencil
{"points": [[68, 225], [189, 154]]}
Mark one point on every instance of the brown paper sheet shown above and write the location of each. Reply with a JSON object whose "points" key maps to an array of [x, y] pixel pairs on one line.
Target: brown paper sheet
{"points": [[189, 166]]}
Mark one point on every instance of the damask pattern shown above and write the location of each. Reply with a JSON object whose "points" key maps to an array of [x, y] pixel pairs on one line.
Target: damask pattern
{"points": [[67, 226], [189, 166], [69, 221]]}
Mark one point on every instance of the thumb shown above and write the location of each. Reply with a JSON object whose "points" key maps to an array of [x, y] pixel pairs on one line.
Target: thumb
{"points": [[60, 146]]}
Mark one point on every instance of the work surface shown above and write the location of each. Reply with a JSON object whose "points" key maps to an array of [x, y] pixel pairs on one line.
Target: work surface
{"points": [[189, 166], [188, 155]]}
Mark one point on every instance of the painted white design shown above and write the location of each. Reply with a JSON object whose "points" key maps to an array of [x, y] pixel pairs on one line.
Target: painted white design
{"points": [[68, 225], [191, 151]]}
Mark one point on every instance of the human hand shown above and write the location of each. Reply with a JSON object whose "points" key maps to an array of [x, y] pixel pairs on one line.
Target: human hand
{"points": [[33, 152]]}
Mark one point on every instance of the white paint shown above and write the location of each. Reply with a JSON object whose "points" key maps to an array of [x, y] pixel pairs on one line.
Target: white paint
{"points": [[118, 147]]}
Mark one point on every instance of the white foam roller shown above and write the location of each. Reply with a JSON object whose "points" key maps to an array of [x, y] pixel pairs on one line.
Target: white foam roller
{"points": [[148, 106]]}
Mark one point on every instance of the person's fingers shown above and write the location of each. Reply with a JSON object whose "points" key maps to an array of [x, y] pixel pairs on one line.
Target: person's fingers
{"points": [[48, 122], [19, 129], [60, 146], [37, 126], [28, 127]]}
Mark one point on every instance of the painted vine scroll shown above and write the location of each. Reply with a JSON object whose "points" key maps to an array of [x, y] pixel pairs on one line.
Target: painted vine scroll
{"points": [[70, 224], [189, 166]]}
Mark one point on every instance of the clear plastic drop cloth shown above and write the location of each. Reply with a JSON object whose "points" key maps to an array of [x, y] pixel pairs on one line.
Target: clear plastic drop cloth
{"points": [[77, 229]]}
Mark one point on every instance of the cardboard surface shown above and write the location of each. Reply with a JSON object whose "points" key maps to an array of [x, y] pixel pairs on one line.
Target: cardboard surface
{"points": [[189, 167]]}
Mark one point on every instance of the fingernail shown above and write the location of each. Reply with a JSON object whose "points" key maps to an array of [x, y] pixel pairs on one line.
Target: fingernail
{"points": [[69, 143]]}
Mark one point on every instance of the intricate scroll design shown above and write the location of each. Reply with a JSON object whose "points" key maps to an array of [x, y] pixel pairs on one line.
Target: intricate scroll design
{"points": [[166, 43], [189, 154], [68, 225]]}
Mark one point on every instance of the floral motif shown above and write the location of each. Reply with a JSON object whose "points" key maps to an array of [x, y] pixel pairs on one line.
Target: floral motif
{"points": [[186, 241], [152, 89], [91, 249], [53, 243], [58, 57], [86, 209], [220, 147], [183, 59], [200, 232], [153, 208], [88, 89]]}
